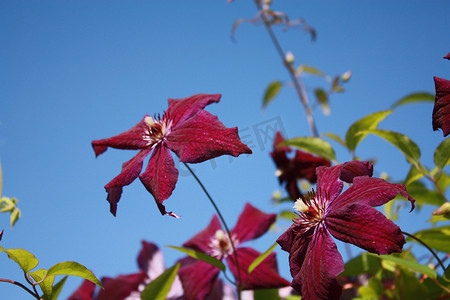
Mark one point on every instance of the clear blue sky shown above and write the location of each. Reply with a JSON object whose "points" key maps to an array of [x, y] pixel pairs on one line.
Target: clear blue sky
{"points": [[75, 71]]}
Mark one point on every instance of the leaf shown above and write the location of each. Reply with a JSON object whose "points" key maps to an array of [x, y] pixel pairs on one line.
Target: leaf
{"points": [[402, 142], [310, 70], [261, 258], [322, 98], [414, 98], [160, 287], [287, 214], [414, 174], [422, 195], [363, 264], [271, 92], [75, 269], [58, 287], [447, 274], [312, 145], [14, 216], [368, 122], [266, 294], [336, 138], [408, 264], [372, 290], [45, 284], [437, 238], [442, 154], [25, 259], [201, 256]]}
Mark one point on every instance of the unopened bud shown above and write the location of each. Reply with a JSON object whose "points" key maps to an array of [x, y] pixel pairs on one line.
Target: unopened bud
{"points": [[346, 76], [289, 57]]}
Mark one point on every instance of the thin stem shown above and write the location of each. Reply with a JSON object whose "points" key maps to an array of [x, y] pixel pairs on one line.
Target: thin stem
{"points": [[426, 246], [29, 280], [20, 285], [298, 84], [224, 225]]}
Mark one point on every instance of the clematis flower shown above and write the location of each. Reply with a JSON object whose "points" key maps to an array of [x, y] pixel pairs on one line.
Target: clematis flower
{"points": [[441, 110], [290, 170], [192, 133], [198, 277], [129, 287], [350, 217]]}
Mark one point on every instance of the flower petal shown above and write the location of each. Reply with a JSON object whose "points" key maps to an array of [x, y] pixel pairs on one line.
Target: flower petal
{"points": [[160, 176], [264, 276], [447, 56], [365, 227], [441, 110], [182, 109], [120, 287], [252, 223], [203, 137], [200, 242], [370, 191], [353, 169], [130, 139], [130, 171], [150, 260], [223, 291], [198, 279], [84, 292]]}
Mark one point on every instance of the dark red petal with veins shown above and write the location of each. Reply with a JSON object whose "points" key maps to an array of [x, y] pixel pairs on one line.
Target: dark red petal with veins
{"points": [[200, 242], [353, 169], [252, 223], [84, 292], [264, 276], [160, 176], [198, 279], [370, 191], [305, 165], [130, 171], [130, 139], [441, 110], [120, 287], [365, 227], [203, 137], [182, 109]]}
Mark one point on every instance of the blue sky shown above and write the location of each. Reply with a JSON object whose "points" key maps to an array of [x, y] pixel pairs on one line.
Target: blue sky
{"points": [[75, 71]]}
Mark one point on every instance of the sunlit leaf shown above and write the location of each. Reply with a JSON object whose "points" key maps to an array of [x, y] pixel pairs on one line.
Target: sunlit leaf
{"points": [[438, 218], [372, 290], [266, 294], [371, 121], [45, 284], [335, 138], [287, 214], [260, 258], [14, 216], [401, 142], [201, 256], [408, 264], [322, 98], [447, 274], [271, 92], [362, 264], [422, 195], [160, 287], [414, 174], [414, 98], [437, 238], [312, 145], [6, 204], [75, 269], [25, 259], [443, 181], [57, 288], [310, 70], [442, 154]]}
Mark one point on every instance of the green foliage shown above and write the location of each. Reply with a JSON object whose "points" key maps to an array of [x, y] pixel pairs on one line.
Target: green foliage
{"points": [[437, 238], [414, 98], [271, 92], [407, 263], [447, 274], [312, 145], [10, 205], [322, 99], [373, 290], [261, 258], [75, 269], [160, 287], [362, 264], [23, 258], [442, 154], [201, 256], [57, 288], [45, 282], [310, 70], [266, 294], [423, 196]]}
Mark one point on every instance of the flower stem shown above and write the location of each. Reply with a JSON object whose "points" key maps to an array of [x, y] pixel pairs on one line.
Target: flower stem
{"points": [[426, 246], [20, 285], [239, 283]]}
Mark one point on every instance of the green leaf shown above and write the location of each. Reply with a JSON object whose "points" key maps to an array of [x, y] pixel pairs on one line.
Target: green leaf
{"points": [[160, 287], [58, 287], [437, 238], [287, 214], [261, 258], [335, 137], [292, 297], [312, 145], [201, 256], [25, 259], [443, 181], [442, 154], [14, 216], [372, 290], [422, 195], [371, 121], [401, 141], [310, 70], [322, 98], [266, 294], [414, 174], [411, 265], [75, 269], [45, 282], [447, 274], [414, 98], [6, 204], [363, 264], [271, 92]]}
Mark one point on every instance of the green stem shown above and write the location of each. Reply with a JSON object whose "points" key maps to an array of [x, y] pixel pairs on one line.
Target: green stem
{"points": [[426, 246], [20, 285], [239, 284]]}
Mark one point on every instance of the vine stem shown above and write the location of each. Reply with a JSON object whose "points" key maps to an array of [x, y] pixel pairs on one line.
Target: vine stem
{"points": [[298, 84], [239, 287], [20, 285], [426, 246]]}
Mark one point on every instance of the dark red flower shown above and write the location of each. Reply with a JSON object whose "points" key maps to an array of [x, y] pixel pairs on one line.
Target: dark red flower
{"points": [[198, 277], [192, 133], [290, 170], [447, 56], [441, 110], [350, 217]]}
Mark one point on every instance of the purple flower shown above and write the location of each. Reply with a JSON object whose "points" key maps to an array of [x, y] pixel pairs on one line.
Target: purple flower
{"points": [[350, 217], [192, 133], [198, 277], [441, 110], [290, 170]]}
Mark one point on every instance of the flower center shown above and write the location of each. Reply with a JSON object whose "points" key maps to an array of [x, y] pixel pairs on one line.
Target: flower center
{"points": [[220, 245], [310, 210], [157, 129]]}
